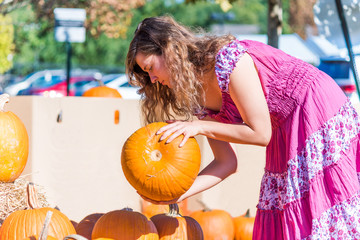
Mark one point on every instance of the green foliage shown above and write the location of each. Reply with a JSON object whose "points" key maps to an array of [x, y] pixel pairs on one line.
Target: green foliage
{"points": [[6, 43], [36, 47]]}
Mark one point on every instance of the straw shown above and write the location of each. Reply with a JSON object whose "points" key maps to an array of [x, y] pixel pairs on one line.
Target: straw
{"points": [[13, 197]]}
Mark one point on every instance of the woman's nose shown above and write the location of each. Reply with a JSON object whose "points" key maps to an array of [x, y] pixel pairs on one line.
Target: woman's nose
{"points": [[152, 78]]}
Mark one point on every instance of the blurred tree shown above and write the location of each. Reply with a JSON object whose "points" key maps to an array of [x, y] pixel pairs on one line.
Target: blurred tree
{"points": [[111, 17], [36, 47], [275, 21], [6, 43], [302, 16]]}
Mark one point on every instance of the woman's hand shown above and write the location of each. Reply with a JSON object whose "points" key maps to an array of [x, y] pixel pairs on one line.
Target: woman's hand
{"points": [[177, 128]]}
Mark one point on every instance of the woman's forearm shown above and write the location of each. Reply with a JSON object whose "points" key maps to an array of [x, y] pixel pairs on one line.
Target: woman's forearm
{"points": [[207, 179], [224, 164], [235, 133]]}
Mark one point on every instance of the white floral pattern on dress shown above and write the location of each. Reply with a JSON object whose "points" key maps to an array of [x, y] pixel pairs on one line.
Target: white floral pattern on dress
{"points": [[322, 149], [226, 60], [341, 221]]}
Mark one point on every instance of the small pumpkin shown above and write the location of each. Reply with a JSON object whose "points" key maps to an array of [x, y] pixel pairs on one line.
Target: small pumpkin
{"points": [[215, 223], [86, 225], [14, 147], [244, 226], [157, 170], [174, 226], [124, 224], [102, 91], [149, 209], [23, 224]]}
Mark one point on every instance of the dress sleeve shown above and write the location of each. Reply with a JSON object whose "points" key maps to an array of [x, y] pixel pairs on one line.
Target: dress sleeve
{"points": [[226, 60]]}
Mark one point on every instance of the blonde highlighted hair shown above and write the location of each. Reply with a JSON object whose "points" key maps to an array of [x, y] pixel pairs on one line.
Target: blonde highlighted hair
{"points": [[189, 55]]}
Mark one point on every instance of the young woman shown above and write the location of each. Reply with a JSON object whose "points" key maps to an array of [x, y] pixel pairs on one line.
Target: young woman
{"points": [[250, 93]]}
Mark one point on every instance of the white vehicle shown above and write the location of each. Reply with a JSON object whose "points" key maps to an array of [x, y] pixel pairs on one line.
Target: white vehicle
{"points": [[117, 81], [121, 83]]}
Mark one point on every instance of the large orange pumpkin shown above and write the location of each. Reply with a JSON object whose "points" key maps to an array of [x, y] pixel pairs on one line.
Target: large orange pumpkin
{"points": [[215, 223], [124, 224], [23, 224], [157, 170], [102, 91], [172, 225], [86, 225], [14, 147], [244, 226]]}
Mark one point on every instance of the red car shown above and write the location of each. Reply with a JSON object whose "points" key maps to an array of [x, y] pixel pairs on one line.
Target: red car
{"points": [[60, 89]]}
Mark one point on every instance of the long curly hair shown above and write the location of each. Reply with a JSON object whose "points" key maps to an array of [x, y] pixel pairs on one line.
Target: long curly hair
{"points": [[189, 55]]}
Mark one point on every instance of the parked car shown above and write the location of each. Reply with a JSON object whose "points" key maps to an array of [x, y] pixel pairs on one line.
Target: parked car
{"points": [[59, 88], [340, 70], [127, 91], [45, 77], [117, 81]]}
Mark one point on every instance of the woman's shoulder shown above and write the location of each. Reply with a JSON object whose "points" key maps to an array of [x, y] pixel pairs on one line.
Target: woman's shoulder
{"points": [[226, 59], [234, 45]]}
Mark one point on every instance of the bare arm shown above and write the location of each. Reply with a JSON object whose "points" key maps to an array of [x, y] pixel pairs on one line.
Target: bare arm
{"points": [[246, 92]]}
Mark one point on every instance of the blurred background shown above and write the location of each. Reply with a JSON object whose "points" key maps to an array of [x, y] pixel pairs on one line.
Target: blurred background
{"points": [[75, 143], [33, 62]]}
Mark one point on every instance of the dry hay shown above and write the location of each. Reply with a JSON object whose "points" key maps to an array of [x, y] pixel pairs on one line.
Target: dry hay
{"points": [[13, 197]]}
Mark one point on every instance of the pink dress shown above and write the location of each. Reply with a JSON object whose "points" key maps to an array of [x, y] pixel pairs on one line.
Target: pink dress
{"points": [[310, 188]]}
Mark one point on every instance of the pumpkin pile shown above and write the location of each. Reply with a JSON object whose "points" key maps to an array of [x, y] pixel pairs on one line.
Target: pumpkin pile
{"points": [[28, 223], [14, 149], [126, 224], [157, 170]]}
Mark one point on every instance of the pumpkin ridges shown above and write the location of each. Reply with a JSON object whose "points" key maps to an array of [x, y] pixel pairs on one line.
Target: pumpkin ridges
{"points": [[14, 146], [172, 225], [215, 223], [119, 225], [147, 175]]}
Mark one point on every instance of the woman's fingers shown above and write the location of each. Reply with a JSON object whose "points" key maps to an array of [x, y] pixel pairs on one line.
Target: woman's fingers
{"points": [[177, 128]]}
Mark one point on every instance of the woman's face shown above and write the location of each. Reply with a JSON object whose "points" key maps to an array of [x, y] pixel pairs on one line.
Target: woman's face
{"points": [[155, 66]]}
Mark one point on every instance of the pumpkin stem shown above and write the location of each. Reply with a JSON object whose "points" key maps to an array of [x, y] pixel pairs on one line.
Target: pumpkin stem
{"points": [[173, 210], [205, 207], [247, 214], [127, 209], [4, 98], [32, 200], [45, 227], [98, 77], [155, 155]]}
